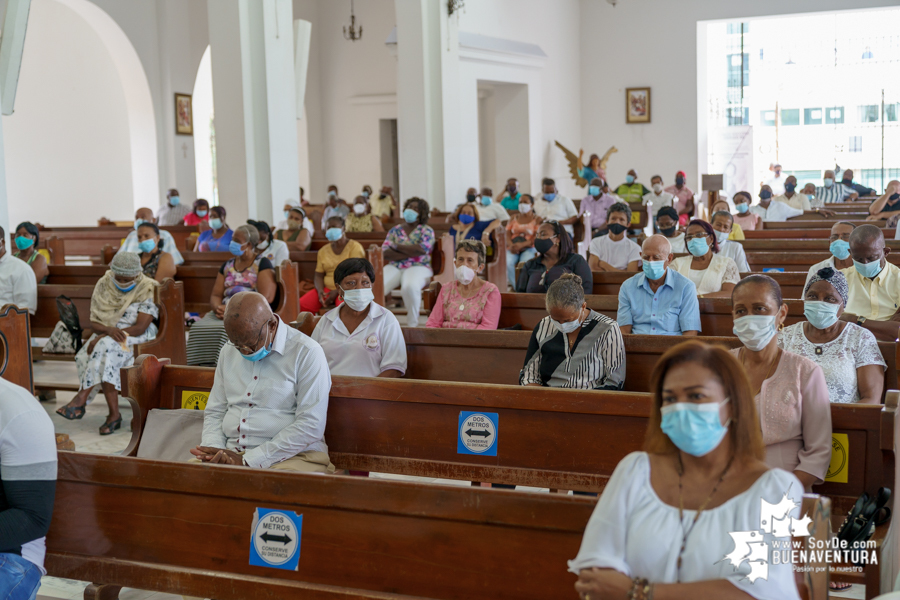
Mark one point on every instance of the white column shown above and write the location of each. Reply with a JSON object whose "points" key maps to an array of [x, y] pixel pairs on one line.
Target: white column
{"points": [[252, 52], [427, 105]]}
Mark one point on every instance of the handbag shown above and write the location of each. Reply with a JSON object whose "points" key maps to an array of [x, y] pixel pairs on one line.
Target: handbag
{"points": [[867, 514], [68, 314]]}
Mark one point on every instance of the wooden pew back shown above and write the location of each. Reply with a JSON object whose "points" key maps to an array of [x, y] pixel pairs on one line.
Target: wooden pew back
{"points": [[15, 347], [607, 283]]}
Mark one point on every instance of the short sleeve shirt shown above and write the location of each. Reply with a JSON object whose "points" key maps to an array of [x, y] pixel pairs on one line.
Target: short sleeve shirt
{"points": [[375, 346], [618, 254], [327, 261]]}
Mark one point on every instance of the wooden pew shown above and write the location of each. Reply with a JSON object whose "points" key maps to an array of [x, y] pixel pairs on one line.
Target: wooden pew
{"points": [[609, 282], [797, 233], [715, 313], [15, 347], [90, 241], [795, 261], [798, 245], [811, 223], [199, 282]]}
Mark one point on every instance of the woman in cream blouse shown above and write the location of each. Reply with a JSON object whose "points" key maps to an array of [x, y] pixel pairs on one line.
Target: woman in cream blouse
{"points": [[713, 274]]}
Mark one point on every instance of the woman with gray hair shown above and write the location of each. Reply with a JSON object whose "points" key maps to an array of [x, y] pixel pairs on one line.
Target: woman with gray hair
{"points": [[574, 347], [848, 354], [123, 312], [246, 272]]}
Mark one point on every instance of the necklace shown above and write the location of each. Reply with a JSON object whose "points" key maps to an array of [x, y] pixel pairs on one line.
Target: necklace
{"points": [[771, 368], [699, 510]]}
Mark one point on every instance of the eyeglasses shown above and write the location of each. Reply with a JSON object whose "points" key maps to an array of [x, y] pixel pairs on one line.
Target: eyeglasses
{"points": [[250, 349]]}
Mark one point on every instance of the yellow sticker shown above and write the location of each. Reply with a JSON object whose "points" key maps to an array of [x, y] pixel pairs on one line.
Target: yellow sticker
{"points": [[194, 400], [635, 218], [840, 459]]}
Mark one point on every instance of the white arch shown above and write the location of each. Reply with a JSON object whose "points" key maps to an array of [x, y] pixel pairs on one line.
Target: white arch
{"points": [[203, 110], [141, 117]]}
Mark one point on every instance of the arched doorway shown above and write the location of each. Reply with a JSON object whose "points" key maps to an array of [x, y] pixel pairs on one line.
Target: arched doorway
{"points": [[204, 132]]}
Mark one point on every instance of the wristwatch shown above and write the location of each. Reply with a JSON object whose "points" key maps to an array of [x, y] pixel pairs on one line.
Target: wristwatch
{"points": [[860, 320]]}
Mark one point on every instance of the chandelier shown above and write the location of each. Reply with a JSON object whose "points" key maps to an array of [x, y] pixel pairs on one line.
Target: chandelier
{"points": [[353, 32]]}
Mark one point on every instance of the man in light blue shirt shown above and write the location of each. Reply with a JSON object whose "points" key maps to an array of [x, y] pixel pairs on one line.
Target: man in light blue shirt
{"points": [[659, 301], [145, 215]]}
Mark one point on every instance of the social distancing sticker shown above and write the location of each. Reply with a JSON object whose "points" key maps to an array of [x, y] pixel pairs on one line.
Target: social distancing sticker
{"points": [[478, 433], [839, 467], [275, 539], [194, 400]]}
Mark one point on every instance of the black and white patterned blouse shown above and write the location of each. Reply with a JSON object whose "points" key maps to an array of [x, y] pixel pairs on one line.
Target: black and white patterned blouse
{"points": [[595, 362]]}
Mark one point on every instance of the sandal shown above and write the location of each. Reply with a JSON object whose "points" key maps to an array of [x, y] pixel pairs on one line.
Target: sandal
{"points": [[839, 585], [111, 426], [71, 412]]}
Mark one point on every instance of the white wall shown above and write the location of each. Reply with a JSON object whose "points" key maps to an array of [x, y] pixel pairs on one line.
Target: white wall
{"points": [[554, 26], [655, 45], [68, 157]]}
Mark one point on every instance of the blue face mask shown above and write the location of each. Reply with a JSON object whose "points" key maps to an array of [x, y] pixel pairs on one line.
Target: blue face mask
{"points": [[125, 289], [287, 215], [485, 200], [840, 249], [365, 194], [694, 428], [654, 269], [24, 243], [829, 182], [821, 315], [174, 200], [466, 219], [594, 190], [869, 270], [332, 193], [147, 246], [259, 354], [333, 234], [215, 224], [550, 197], [765, 194], [629, 179], [202, 213], [138, 223], [235, 248], [742, 207], [698, 247], [410, 216]]}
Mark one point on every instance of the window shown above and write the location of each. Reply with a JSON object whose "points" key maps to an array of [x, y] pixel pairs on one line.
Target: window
{"points": [[738, 116], [834, 115], [790, 116], [891, 112], [737, 64], [872, 178], [855, 143], [868, 113], [767, 117], [812, 116], [738, 28], [804, 177]]}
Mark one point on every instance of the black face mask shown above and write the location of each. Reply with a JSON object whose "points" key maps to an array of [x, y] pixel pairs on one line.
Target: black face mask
{"points": [[511, 189], [382, 197], [470, 197], [765, 194], [847, 181], [668, 231], [543, 246], [789, 187], [617, 228], [679, 181], [894, 197]]}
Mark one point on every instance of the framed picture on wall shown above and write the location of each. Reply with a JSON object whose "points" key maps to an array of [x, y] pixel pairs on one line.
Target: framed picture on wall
{"points": [[637, 105], [184, 116]]}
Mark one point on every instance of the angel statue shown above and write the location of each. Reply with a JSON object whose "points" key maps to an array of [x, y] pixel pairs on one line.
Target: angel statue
{"points": [[596, 166]]}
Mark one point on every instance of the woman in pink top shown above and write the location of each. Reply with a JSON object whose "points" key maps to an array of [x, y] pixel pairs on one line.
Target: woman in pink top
{"points": [[791, 392], [747, 220], [469, 302]]}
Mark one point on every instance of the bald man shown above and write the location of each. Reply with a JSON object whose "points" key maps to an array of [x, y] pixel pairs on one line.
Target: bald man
{"points": [[145, 215], [874, 285], [658, 301], [887, 205], [269, 399]]}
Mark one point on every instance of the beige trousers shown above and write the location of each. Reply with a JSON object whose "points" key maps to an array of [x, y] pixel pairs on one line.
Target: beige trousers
{"points": [[305, 462]]}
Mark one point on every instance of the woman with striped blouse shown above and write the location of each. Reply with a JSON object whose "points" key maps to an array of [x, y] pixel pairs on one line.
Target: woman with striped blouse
{"points": [[574, 347]]}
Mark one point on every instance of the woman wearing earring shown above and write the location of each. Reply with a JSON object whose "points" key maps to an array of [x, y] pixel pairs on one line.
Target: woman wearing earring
{"points": [[791, 392], [663, 526]]}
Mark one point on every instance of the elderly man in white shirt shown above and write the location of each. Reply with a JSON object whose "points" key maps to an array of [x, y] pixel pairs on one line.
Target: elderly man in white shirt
{"points": [[553, 206], [145, 215], [269, 401], [17, 282]]}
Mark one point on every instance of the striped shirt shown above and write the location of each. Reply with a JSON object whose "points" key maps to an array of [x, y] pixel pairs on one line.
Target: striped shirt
{"points": [[829, 195], [596, 360], [27, 474], [271, 409]]}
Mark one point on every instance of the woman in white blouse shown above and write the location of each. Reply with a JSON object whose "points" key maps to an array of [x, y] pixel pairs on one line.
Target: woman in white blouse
{"points": [[714, 275], [662, 526], [360, 337], [848, 354]]}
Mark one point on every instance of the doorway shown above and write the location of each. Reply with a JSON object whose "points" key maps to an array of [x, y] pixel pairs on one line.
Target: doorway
{"points": [[503, 135]]}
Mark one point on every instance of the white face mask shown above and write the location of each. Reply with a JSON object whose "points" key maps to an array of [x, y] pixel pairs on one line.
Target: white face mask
{"points": [[464, 275], [359, 299], [524, 208], [262, 245], [657, 187], [755, 331], [359, 209], [722, 236], [569, 326]]}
